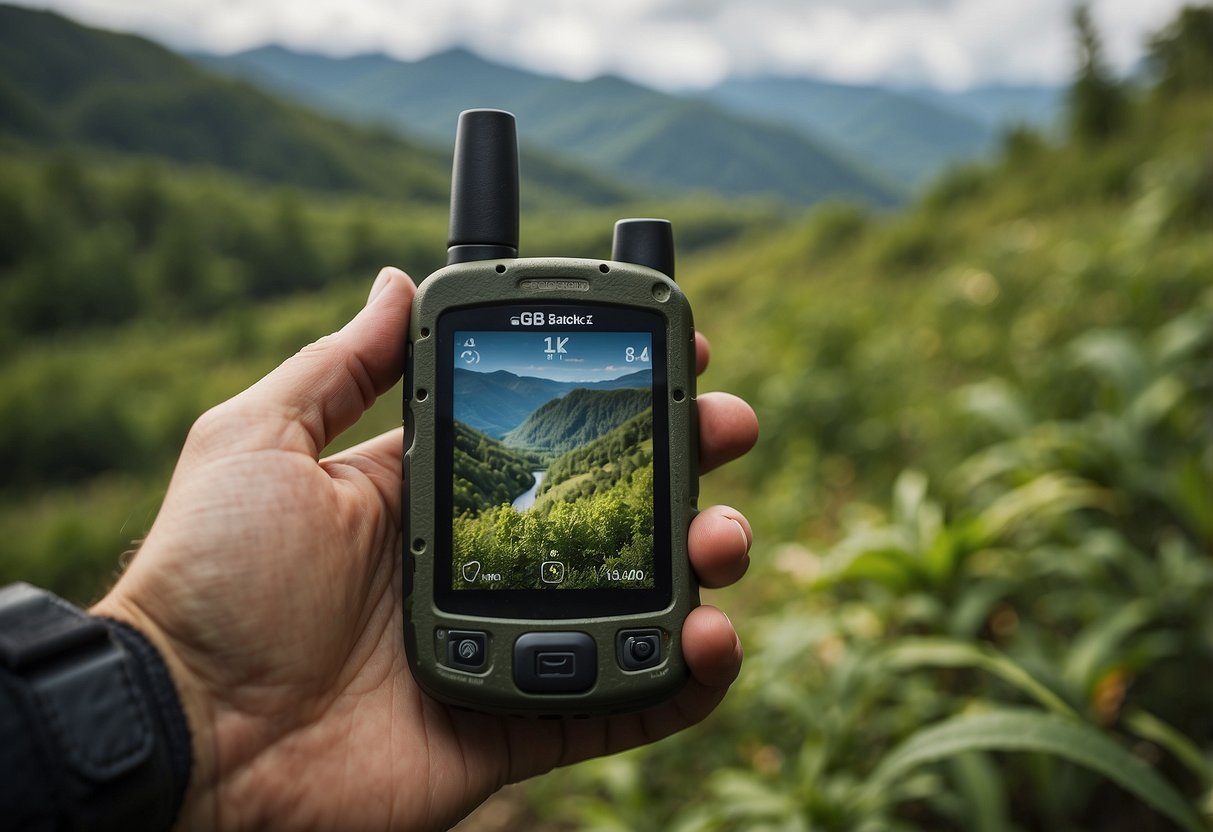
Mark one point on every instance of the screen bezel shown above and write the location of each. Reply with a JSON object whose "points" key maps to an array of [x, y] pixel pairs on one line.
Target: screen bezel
{"points": [[555, 602]]}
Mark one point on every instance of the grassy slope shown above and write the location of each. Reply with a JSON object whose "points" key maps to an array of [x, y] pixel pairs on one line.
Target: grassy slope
{"points": [[1021, 309], [869, 328]]}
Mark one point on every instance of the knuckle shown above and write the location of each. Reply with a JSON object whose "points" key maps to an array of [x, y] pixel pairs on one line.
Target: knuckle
{"points": [[210, 429]]}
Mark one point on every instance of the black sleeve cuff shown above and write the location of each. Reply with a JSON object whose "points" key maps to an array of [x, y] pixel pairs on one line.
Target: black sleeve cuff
{"points": [[92, 733], [152, 676]]}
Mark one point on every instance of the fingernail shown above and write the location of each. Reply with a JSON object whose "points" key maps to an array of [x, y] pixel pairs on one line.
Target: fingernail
{"points": [[381, 281], [745, 538]]}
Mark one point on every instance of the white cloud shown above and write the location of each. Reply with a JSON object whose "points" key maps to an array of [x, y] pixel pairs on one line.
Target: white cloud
{"points": [[669, 43]]}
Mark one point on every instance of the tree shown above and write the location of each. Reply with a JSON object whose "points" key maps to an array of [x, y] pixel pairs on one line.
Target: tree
{"points": [[1181, 56], [1097, 103]]}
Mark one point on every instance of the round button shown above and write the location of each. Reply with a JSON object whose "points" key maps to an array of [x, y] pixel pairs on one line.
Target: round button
{"points": [[467, 650], [639, 649], [642, 648]]}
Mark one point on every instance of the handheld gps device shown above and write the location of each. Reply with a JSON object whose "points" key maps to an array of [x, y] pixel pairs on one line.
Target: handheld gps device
{"points": [[550, 460]]}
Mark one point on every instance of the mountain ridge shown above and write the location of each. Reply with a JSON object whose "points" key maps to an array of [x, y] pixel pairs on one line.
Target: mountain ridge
{"points": [[903, 137], [63, 84], [578, 418], [498, 402], [643, 137]]}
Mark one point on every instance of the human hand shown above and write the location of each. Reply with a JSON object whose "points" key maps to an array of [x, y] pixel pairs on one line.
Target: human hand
{"points": [[271, 584]]}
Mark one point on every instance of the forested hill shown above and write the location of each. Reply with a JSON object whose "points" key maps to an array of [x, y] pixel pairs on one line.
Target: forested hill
{"points": [[602, 463], [496, 403], [66, 84], [486, 472], [580, 417]]}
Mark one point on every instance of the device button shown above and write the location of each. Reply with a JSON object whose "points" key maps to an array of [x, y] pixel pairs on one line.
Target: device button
{"points": [[407, 415], [638, 649], [555, 662], [555, 665], [466, 649]]}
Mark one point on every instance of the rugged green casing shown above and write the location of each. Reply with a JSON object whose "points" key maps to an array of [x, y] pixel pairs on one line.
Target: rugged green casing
{"points": [[520, 281]]}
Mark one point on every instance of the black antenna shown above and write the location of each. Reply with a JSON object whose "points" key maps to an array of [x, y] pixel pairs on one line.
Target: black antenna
{"points": [[484, 188], [645, 242]]}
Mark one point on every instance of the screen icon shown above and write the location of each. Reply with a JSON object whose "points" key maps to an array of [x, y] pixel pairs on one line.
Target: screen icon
{"points": [[471, 570], [552, 571]]}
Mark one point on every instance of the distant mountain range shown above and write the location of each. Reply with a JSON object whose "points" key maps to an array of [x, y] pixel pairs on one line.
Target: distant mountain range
{"points": [[905, 138], [799, 138], [1001, 105], [907, 135], [497, 403], [595, 142], [639, 136], [66, 85]]}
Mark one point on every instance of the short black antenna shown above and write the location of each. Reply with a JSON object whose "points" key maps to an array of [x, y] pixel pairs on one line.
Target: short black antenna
{"points": [[645, 242], [484, 188]]}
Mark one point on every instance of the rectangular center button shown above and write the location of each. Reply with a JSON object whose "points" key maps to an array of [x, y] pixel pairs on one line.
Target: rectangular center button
{"points": [[555, 665], [555, 662]]}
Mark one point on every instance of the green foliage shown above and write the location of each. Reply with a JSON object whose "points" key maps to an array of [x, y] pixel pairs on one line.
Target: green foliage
{"points": [[607, 529], [90, 248], [981, 500], [83, 87], [1008, 730], [578, 418], [1097, 102], [594, 511], [979, 596], [607, 460], [486, 472], [1179, 55]]}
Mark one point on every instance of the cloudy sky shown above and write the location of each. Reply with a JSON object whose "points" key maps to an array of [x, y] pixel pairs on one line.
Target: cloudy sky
{"points": [[666, 43]]}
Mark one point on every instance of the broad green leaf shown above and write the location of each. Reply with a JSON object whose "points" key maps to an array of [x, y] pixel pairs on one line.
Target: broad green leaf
{"points": [[941, 652], [909, 495], [997, 403], [1147, 726], [1017, 730], [893, 568], [977, 779], [1049, 495], [1156, 402], [1112, 356], [1181, 337], [1098, 643], [884, 555], [743, 795], [973, 607], [1192, 489]]}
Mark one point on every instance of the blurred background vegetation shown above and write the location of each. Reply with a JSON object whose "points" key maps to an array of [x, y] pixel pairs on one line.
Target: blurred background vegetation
{"points": [[982, 591]]}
